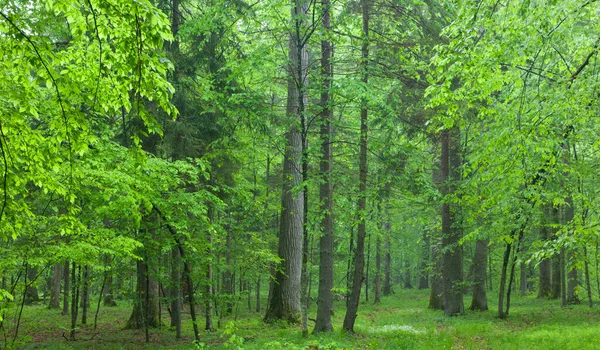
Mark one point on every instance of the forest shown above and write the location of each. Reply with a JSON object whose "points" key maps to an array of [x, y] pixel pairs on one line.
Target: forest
{"points": [[299, 174]]}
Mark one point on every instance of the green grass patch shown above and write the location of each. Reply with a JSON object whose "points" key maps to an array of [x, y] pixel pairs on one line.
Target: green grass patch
{"points": [[401, 321]]}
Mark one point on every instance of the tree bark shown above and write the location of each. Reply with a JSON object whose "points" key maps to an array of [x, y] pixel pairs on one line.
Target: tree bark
{"points": [[66, 288], [326, 242], [85, 294], [479, 299], [145, 308], [452, 269], [285, 303], [175, 291], [55, 287], [31, 293], [436, 292], [359, 257]]}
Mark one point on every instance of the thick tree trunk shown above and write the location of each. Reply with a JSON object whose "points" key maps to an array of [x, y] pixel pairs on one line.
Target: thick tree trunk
{"points": [[145, 308], [285, 303], [109, 297], [359, 257], [326, 242], [31, 292], [479, 300], [55, 287], [452, 269], [436, 292], [556, 276]]}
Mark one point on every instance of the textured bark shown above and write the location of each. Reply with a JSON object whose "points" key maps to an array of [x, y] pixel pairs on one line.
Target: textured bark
{"points": [[109, 297], [326, 253], [145, 308], [359, 256], [436, 292], [285, 301], [31, 292], [55, 287], [452, 269], [479, 300]]}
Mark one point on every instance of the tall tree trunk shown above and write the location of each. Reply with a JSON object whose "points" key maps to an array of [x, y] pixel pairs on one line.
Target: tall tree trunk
{"points": [[378, 271], [452, 269], [545, 269], [523, 288], [175, 291], [556, 273], [85, 295], [436, 292], [109, 298], [359, 260], [557, 267], [407, 275], [587, 275], [368, 269], [145, 308], [55, 286], [479, 300], [31, 293], [423, 268], [74, 298], [208, 312], [387, 264], [326, 254], [66, 288], [285, 303], [228, 275]]}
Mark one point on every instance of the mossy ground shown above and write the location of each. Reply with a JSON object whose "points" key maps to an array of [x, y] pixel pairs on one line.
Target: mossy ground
{"points": [[401, 321]]}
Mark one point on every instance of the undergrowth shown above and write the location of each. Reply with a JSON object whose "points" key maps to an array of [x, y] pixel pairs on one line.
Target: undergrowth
{"points": [[401, 321]]}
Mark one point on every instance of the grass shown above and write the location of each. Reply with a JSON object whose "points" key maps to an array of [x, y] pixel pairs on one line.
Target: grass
{"points": [[401, 321]]}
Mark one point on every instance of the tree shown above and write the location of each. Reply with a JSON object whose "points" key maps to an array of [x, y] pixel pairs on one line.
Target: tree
{"points": [[359, 257], [285, 299], [326, 246]]}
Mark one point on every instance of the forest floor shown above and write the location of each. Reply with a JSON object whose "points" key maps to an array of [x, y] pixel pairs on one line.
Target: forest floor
{"points": [[401, 321]]}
